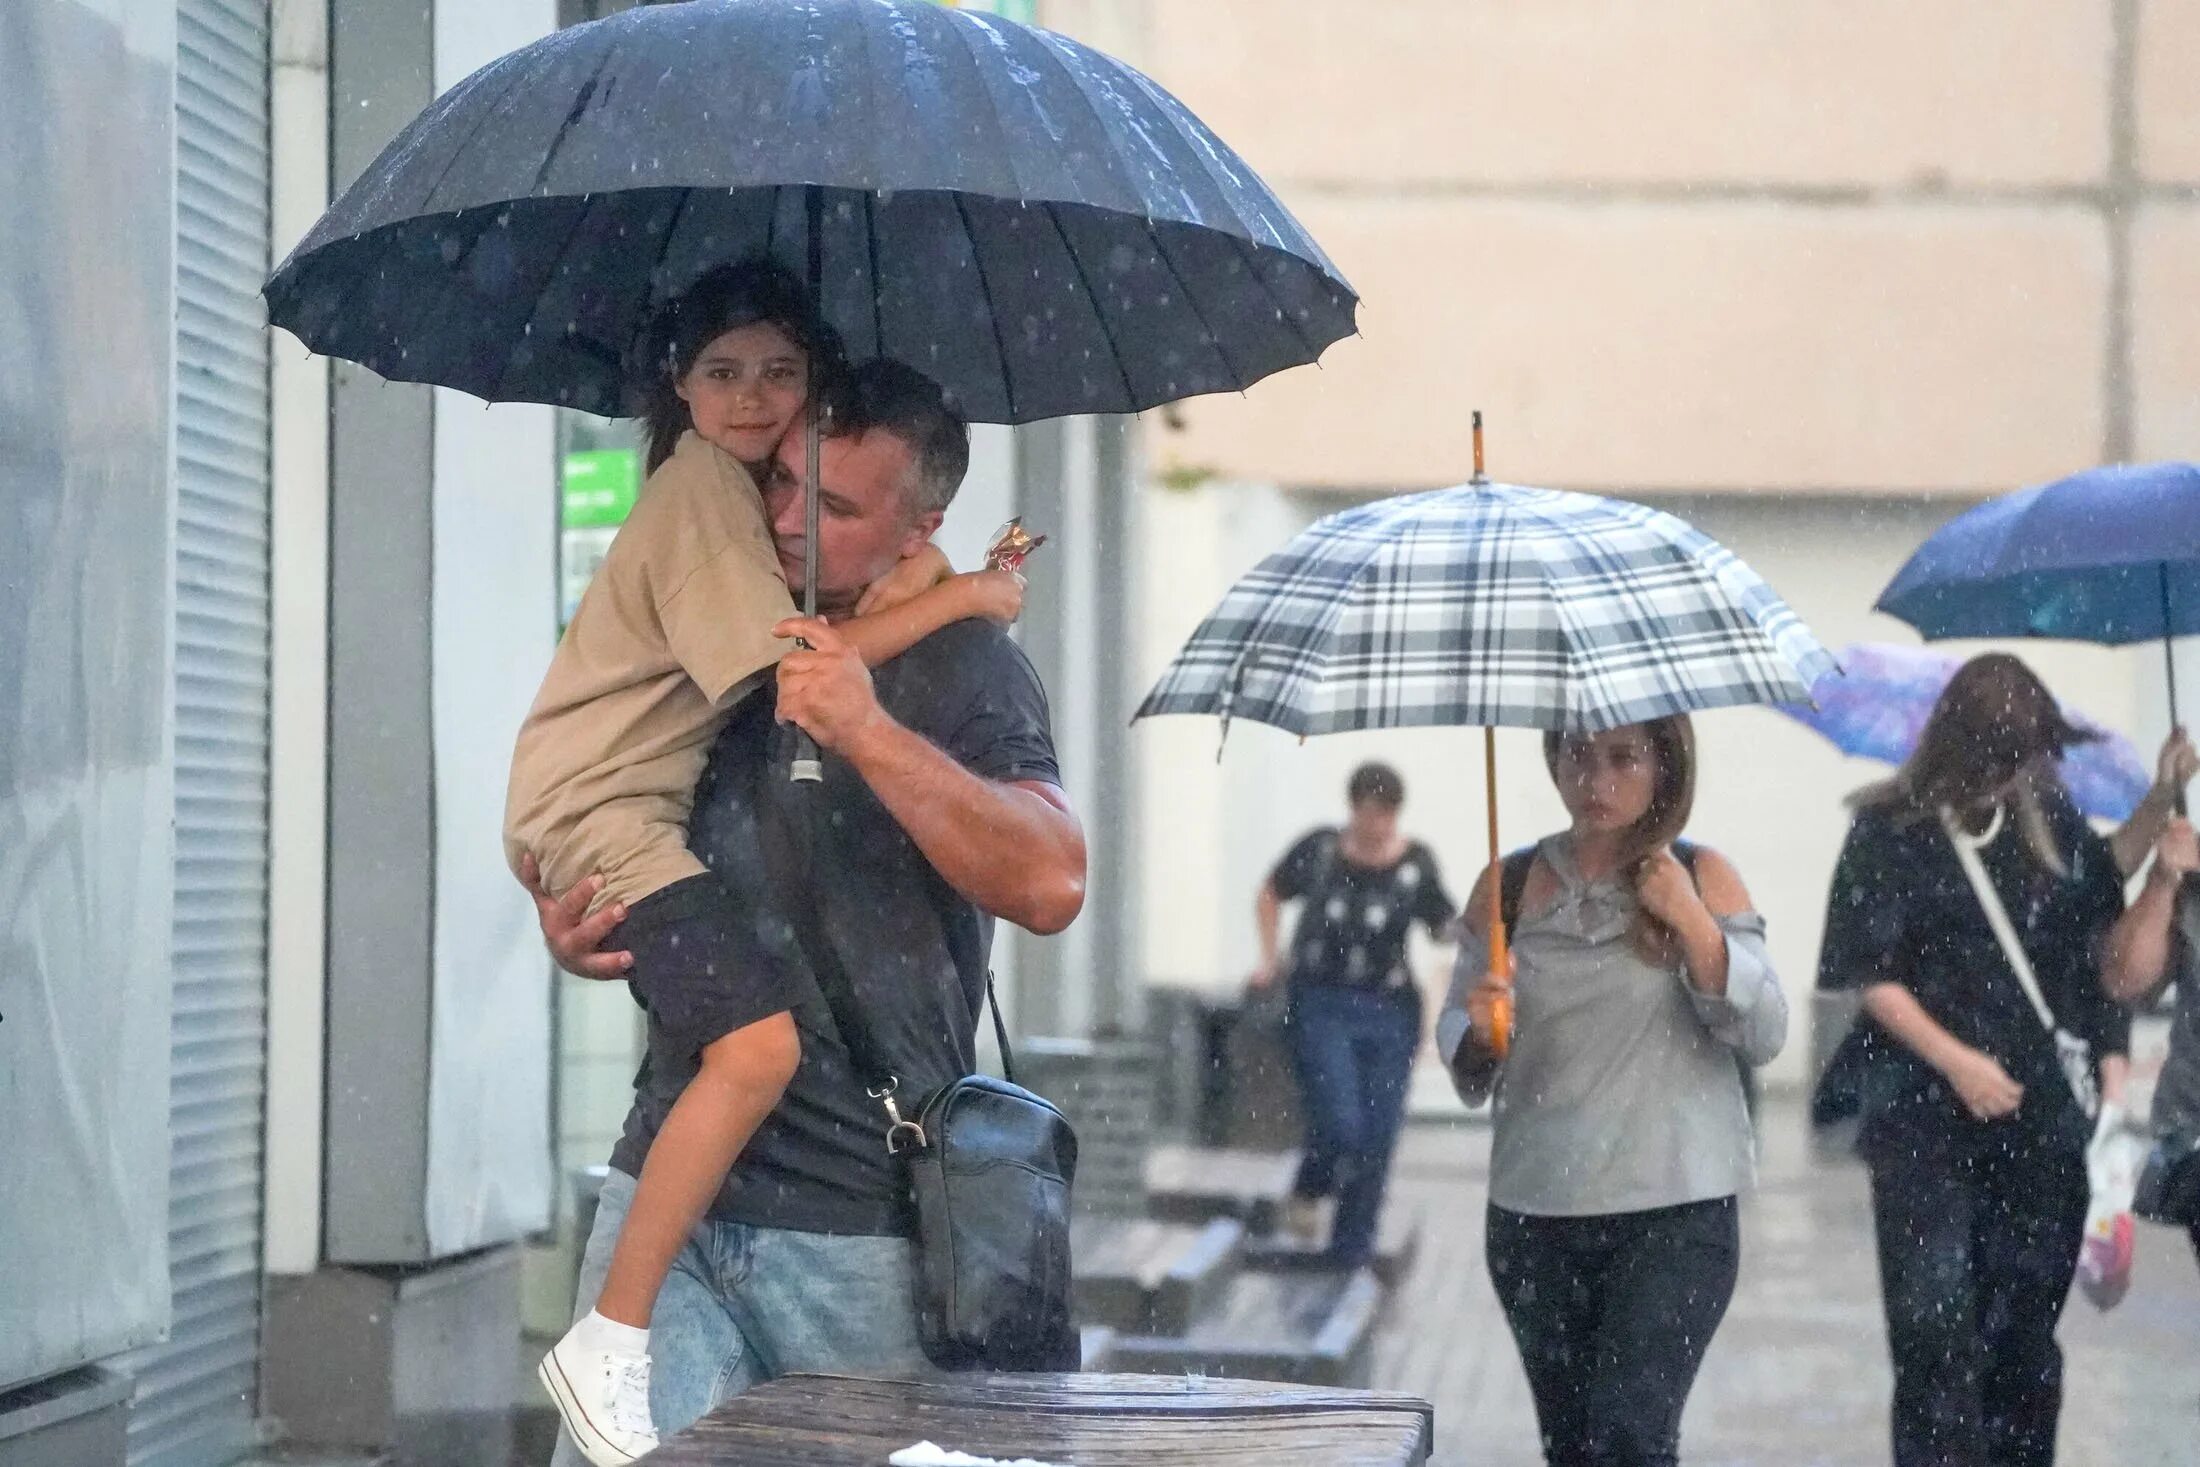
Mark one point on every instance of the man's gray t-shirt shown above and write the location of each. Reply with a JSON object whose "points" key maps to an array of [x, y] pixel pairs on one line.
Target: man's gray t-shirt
{"points": [[915, 950]]}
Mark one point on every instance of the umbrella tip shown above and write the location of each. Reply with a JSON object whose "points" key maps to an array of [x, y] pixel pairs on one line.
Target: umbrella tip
{"points": [[1480, 476]]}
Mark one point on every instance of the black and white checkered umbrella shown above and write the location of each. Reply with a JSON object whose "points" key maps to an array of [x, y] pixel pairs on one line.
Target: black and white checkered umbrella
{"points": [[1491, 604]]}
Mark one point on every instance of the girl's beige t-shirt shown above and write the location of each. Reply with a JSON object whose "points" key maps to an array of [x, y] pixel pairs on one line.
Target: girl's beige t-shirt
{"points": [[676, 624]]}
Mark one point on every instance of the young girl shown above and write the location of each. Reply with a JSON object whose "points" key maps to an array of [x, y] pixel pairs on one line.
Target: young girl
{"points": [[674, 629], [1621, 1128]]}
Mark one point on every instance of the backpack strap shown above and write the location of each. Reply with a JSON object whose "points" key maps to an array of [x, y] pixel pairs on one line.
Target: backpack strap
{"points": [[1512, 885], [1512, 877]]}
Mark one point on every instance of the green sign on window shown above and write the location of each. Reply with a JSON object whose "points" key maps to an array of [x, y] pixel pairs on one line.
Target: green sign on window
{"points": [[600, 485]]}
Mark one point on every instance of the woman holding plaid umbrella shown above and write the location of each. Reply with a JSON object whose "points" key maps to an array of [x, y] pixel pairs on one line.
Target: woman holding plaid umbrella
{"points": [[1622, 1136], [1621, 1110]]}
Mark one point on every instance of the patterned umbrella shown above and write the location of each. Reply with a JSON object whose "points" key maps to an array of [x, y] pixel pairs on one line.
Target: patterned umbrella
{"points": [[1492, 604], [1879, 707]]}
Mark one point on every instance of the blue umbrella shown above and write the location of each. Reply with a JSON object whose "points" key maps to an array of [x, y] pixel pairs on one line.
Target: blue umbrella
{"points": [[2111, 555], [1877, 706]]}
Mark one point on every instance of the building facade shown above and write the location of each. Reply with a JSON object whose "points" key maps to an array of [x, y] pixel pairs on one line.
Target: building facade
{"points": [[1817, 276]]}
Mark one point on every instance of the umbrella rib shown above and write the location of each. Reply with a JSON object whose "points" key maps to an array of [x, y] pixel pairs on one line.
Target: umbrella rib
{"points": [[992, 316], [962, 23], [647, 317], [1283, 314], [449, 163], [1049, 46], [427, 198], [1084, 280], [1153, 233], [1230, 192], [549, 274], [1244, 240], [587, 92], [878, 307], [427, 300]]}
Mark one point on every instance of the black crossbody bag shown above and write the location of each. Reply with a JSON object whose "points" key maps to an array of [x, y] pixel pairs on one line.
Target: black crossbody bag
{"points": [[988, 1165]]}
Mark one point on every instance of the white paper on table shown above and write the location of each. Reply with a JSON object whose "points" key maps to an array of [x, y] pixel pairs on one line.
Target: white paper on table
{"points": [[931, 1454]]}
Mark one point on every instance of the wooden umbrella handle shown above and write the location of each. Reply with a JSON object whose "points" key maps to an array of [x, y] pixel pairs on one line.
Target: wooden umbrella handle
{"points": [[1498, 1037]]}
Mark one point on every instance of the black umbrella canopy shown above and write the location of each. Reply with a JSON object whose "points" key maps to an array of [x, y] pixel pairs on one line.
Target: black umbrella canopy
{"points": [[1036, 225]]}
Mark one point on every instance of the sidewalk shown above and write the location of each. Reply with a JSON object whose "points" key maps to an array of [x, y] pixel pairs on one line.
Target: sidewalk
{"points": [[1798, 1374]]}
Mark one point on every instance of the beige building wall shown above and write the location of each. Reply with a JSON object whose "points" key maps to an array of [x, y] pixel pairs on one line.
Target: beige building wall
{"points": [[1828, 245], [1813, 273]]}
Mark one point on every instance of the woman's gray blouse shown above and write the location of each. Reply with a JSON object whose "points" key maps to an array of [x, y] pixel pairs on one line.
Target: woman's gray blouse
{"points": [[1623, 1087]]}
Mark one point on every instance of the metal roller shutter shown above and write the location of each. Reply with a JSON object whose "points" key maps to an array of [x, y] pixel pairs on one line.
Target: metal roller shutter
{"points": [[197, 1395]]}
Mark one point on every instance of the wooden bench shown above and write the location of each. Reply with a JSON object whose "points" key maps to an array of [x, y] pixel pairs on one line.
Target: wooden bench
{"points": [[1309, 1328], [1139, 1276], [1397, 1244], [1197, 1183], [1085, 1420]]}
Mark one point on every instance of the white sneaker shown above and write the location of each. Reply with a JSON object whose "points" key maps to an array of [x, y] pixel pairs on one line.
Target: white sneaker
{"points": [[604, 1397]]}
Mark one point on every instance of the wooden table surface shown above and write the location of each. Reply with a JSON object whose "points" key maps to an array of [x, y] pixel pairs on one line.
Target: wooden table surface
{"points": [[1067, 1420]]}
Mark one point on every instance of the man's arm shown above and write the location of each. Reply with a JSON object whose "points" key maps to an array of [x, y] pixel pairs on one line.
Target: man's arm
{"points": [[2136, 957], [2173, 770], [1015, 849]]}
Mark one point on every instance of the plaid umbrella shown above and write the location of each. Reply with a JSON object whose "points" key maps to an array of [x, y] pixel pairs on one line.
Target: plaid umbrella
{"points": [[1492, 604]]}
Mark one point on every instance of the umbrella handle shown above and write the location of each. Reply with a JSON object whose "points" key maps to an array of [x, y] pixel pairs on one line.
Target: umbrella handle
{"points": [[1498, 1038], [808, 765], [2169, 668]]}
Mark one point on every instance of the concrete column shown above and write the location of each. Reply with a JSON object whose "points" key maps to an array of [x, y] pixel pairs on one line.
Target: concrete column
{"points": [[298, 731], [415, 579]]}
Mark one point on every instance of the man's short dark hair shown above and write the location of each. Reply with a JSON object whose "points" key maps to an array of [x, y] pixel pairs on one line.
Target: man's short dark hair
{"points": [[900, 399], [1376, 784]]}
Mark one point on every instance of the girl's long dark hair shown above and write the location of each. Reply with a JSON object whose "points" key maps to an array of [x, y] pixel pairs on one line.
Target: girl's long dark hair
{"points": [[1996, 731], [724, 299]]}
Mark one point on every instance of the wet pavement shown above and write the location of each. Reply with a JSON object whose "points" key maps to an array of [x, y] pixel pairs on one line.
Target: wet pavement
{"points": [[1798, 1374]]}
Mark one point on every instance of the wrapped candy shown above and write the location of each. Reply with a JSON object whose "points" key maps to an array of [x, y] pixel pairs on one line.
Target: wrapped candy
{"points": [[1011, 544]]}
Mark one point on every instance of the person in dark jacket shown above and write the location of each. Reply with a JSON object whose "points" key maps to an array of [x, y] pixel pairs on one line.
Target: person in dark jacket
{"points": [[1973, 1132]]}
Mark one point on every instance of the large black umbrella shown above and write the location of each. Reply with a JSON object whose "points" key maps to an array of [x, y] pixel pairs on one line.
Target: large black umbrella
{"points": [[1038, 227]]}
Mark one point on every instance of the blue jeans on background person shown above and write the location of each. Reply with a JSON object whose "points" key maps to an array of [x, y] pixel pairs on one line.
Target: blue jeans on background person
{"points": [[1353, 1049], [744, 1304]]}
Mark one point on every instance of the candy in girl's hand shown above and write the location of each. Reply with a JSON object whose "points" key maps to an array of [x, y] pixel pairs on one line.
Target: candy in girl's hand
{"points": [[1011, 543]]}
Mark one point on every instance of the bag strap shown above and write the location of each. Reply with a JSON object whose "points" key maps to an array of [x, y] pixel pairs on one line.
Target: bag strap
{"points": [[790, 870], [1512, 885], [1997, 916], [1000, 1030]]}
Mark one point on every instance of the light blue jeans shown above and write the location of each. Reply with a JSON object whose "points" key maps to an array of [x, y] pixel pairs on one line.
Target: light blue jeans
{"points": [[745, 1304]]}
